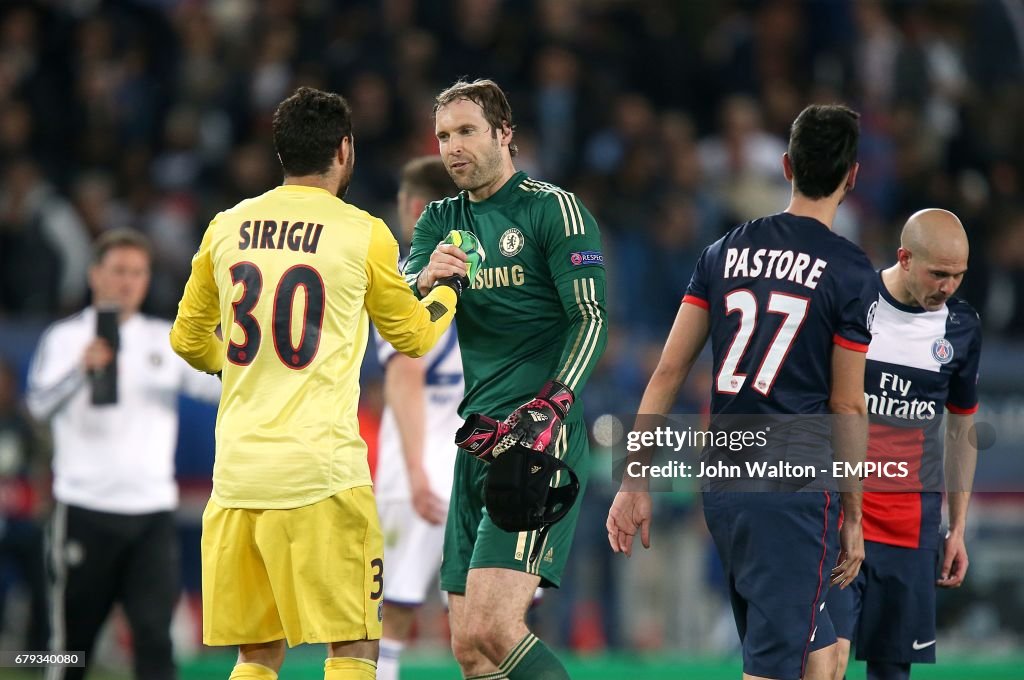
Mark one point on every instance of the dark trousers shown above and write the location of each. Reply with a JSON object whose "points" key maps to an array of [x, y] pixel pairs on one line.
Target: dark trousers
{"points": [[99, 558], [21, 546]]}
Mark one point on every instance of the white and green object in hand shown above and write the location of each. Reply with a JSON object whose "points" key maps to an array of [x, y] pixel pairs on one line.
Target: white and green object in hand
{"points": [[467, 242]]}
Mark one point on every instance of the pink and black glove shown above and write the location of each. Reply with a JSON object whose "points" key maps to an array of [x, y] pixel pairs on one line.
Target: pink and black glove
{"points": [[537, 423], [533, 425], [479, 435]]}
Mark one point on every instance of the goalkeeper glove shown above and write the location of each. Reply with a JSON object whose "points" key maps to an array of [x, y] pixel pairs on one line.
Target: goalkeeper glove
{"points": [[467, 242], [479, 435], [538, 422], [533, 425]]}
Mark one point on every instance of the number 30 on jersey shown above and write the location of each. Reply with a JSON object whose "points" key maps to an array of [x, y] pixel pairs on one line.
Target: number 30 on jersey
{"points": [[296, 356]]}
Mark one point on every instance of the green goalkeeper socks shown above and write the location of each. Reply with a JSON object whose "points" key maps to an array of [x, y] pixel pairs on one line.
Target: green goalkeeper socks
{"points": [[531, 659]]}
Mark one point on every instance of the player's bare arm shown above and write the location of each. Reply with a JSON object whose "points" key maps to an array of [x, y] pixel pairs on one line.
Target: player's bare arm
{"points": [[446, 260], [961, 460], [404, 393], [631, 509], [849, 441]]}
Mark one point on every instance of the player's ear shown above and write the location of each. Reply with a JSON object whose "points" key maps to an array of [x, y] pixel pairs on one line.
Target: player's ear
{"points": [[346, 151], [851, 177], [903, 257], [787, 167], [506, 133]]}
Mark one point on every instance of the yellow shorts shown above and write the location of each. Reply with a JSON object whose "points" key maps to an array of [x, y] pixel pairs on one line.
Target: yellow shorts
{"points": [[309, 574]]}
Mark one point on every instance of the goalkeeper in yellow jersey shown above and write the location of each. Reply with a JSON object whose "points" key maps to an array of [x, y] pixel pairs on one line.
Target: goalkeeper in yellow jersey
{"points": [[292, 548]]}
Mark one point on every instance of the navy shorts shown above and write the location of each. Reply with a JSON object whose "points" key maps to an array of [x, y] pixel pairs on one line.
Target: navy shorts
{"points": [[843, 608], [889, 611], [778, 550]]}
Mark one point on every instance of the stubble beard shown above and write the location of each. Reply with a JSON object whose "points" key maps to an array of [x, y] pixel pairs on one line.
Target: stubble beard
{"points": [[485, 172]]}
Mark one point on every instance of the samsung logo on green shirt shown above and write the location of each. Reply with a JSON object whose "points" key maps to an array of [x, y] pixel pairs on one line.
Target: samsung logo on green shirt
{"points": [[499, 277]]}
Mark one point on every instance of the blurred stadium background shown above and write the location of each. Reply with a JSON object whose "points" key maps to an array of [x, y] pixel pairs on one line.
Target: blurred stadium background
{"points": [[668, 118]]}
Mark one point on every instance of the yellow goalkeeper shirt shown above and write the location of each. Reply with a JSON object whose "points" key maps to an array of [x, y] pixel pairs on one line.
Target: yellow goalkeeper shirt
{"points": [[291, 277]]}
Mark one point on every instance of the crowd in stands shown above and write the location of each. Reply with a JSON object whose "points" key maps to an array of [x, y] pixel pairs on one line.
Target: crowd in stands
{"points": [[668, 119]]}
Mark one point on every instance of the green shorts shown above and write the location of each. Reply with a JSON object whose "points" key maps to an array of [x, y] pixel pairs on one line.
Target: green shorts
{"points": [[472, 541]]}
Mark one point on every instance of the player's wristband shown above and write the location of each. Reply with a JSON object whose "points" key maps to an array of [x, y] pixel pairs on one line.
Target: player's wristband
{"points": [[456, 283], [559, 396]]}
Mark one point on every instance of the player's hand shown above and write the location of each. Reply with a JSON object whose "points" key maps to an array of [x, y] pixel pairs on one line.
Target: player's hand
{"points": [[446, 260], [851, 553], [427, 504], [538, 422], [631, 510], [954, 566], [98, 355]]}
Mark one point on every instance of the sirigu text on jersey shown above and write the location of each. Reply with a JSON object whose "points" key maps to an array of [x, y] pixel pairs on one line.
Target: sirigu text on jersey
{"points": [[269, 235], [778, 264]]}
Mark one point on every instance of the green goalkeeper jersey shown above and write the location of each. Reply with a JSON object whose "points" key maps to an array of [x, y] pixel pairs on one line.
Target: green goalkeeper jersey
{"points": [[537, 308]]}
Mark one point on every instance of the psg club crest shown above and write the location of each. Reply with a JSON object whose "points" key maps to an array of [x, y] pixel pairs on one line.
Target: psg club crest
{"points": [[511, 242], [942, 351]]}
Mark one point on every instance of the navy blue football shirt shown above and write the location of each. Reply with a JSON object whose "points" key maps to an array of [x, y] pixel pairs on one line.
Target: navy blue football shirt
{"points": [[920, 363], [781, 291]]}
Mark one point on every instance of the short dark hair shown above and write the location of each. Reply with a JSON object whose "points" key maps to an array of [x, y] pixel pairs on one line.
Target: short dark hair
{"points": [[308, 129], [120, 238], [489, 97], [823, 147], [427, 178]]}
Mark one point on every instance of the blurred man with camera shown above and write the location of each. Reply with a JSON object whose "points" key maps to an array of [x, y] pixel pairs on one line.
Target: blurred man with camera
{"points": [[112, 404]]}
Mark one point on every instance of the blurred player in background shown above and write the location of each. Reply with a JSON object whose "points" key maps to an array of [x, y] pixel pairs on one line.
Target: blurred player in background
{"points": [[23, 499], [536, 321], [782, 298], [413, 480], [292, 549], [113, 538], [923, 357]]}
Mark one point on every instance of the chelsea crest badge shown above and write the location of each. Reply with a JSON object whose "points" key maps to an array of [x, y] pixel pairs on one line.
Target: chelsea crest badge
{"points": [[511, 242]]}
